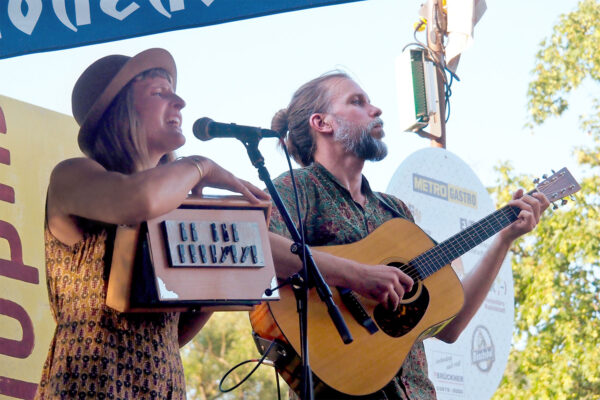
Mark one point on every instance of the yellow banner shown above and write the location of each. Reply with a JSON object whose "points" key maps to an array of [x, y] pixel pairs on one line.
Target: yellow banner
{"points": [[32, 141]]}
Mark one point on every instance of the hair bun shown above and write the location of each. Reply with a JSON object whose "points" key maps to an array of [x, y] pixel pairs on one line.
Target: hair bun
{"points": [[279, 123]]}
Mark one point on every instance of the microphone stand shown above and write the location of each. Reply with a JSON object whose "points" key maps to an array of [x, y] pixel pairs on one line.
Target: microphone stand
{"points": [[310, 270]]}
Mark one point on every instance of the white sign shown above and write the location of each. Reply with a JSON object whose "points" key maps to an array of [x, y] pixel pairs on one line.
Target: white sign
{"points": [[445, 196]]}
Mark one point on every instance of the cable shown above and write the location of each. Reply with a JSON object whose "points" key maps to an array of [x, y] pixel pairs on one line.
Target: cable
{"points": [[277, 382], [443, 70], [307, 376], [296, 197], [259, 362]]}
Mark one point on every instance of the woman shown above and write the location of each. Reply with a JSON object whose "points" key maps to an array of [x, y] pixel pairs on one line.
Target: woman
{"points": [[130, 123]]}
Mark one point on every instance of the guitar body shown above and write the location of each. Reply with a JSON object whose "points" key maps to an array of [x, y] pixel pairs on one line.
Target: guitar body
{"points": [[371, 360]]}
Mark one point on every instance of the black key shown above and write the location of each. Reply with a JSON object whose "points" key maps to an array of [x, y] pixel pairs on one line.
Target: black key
{"points": [[193, 255], [224, 232], [236, 237], [202, 253], [224, 253], [194, 232], [233, 251], [215, 234], [182, 232], [245, 252], [213, 253], [181, 250]]}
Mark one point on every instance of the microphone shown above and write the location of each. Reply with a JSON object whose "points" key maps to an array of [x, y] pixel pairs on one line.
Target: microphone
{"points": [[206, 129]]}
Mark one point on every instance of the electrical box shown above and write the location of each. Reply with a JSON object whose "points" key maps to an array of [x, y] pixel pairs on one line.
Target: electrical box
{"points": [[417, 88]]}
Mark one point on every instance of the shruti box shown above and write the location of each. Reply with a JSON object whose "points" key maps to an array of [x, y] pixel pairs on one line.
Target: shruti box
{"points": [[211, 253]]}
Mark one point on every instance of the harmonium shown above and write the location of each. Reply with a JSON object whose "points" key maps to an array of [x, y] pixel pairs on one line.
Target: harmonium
{"points": [[210, 253]]}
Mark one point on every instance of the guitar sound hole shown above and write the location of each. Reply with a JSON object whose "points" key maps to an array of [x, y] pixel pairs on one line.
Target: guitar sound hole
{"points": [[398, 323], [408, 270]]}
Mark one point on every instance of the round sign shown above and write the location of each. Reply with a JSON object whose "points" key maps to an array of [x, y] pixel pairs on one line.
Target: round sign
{"points": [[445, 197]]}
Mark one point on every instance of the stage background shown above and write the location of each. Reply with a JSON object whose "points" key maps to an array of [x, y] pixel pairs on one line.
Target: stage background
{"points": [[32, 141]]}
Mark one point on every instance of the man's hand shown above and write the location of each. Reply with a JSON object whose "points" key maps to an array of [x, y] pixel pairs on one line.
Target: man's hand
{"points": [[382, 283], [532, 206]]}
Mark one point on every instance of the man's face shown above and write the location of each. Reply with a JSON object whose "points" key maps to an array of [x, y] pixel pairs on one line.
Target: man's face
{"points": [[359, 140], [356, 121]]}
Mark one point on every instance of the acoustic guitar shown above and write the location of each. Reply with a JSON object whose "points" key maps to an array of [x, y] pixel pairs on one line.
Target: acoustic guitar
{"points": [[381, 345]]}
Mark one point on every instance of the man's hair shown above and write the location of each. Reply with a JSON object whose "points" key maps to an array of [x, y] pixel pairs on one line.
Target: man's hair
{"points": [[120, 144], [312, 97]]}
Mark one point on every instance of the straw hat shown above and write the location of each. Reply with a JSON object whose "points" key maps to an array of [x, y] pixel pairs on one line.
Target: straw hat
{"points": [[100, 83]]}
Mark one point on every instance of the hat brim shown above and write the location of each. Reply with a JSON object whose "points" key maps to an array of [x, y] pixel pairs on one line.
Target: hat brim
{"points": [[148, 59]]}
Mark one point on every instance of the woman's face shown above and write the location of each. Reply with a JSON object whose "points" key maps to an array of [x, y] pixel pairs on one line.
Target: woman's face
{"points": [[159, 112]]}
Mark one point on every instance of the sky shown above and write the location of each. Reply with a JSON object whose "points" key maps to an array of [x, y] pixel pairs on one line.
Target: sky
{"points": [[245, 71]]}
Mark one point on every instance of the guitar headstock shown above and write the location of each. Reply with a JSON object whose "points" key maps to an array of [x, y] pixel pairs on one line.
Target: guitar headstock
{"points": [[559, 185]]}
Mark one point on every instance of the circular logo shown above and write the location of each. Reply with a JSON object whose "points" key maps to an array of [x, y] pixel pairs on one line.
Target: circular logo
{"points": [[482, 349]]}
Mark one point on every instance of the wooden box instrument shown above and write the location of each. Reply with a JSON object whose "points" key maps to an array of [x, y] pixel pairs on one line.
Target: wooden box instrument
{"points": [[211, 253]]}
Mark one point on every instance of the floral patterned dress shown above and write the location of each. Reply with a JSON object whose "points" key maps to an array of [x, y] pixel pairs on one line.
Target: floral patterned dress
{"points": [[97, 352]]}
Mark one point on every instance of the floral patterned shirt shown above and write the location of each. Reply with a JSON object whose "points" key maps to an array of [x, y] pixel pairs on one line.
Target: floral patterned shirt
{"points": [[332, 217]]}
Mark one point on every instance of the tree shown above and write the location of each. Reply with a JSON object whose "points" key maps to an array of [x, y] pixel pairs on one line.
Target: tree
{"points": [[225, 341], [556, 353]]}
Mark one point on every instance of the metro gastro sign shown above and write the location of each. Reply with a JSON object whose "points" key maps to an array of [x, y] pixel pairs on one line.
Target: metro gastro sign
{"points": [[444, 191]]}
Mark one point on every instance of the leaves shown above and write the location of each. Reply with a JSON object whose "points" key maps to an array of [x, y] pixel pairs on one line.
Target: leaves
{"points": [[556, 269], [565, 60], [225, 341]]}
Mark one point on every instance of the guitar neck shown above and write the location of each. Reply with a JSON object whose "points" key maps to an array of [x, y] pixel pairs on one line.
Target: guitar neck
{"points": [[435, 258]]}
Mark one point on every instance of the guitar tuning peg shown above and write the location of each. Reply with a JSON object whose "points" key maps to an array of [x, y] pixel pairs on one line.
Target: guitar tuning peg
{"points": [[572, 197], [536, 180], [563, 202], [554, 206], [553, 171], [545, 176]]}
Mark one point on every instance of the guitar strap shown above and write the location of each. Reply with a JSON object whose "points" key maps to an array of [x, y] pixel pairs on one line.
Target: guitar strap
{"points": [[396, 213], [393, 210]]}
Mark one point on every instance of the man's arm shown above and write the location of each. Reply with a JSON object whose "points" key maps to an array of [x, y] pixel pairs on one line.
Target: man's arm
{"points": [[479, 281], [382, 283]]}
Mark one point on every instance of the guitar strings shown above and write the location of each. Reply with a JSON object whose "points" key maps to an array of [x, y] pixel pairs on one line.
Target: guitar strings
{"points": [[435, 258]]}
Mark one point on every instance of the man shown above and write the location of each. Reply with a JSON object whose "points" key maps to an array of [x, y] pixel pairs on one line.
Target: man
{"points": [[332, 129]]}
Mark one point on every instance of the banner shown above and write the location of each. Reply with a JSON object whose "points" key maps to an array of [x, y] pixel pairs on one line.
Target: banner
{"points": [[32, 141], [31, 26]]}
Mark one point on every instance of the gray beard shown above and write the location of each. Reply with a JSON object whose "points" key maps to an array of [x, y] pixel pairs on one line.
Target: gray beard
{"points": [[358, 140]]}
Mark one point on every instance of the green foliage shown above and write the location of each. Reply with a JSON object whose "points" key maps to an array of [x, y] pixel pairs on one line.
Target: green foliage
{"points": [[556, 267], [556, 352], [569, 56], [224, 342]]}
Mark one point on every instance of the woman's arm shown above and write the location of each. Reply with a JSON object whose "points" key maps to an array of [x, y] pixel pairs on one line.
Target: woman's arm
{"points": [[80, 187], [190, 324]]}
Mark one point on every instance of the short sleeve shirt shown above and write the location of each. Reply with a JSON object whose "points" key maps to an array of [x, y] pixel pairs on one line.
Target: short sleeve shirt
{"points": [[331, 217]]}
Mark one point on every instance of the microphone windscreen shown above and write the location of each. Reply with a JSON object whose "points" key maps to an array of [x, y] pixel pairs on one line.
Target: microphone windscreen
{"points": [[200, 128]]}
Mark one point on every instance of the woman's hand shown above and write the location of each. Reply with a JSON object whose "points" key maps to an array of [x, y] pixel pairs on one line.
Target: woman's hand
{"points": [[213, 175]]}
